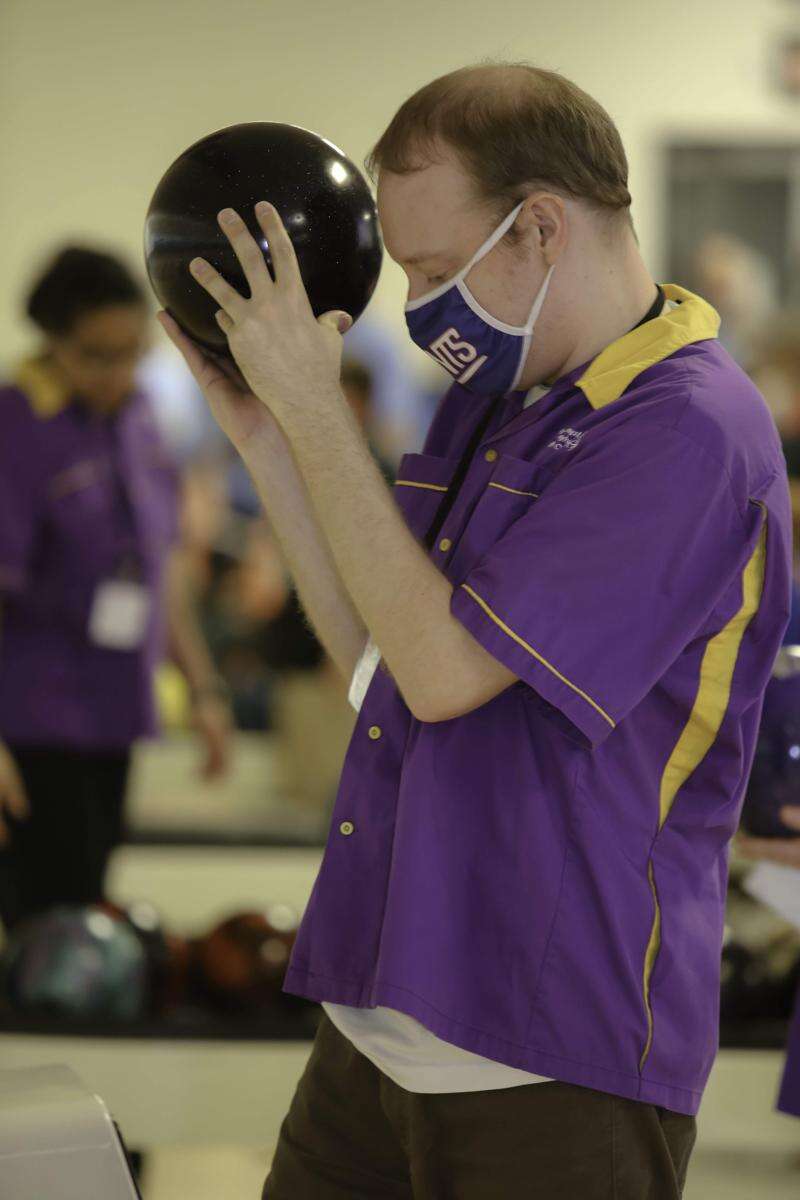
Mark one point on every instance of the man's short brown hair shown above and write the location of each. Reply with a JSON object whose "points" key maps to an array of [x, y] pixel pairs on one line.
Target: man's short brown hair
{"points": [[515, 128]]}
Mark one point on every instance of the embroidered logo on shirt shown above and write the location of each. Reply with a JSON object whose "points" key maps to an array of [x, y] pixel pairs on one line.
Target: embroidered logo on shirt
{"points": [[458, 357], [567, 439]]}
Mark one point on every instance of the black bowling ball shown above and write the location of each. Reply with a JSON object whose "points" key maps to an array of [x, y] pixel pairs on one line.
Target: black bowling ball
{"points": [[76, 961], [321, 196]]}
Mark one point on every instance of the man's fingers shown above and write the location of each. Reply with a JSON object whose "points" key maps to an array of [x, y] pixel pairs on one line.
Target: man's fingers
{"points": [[284, 259], [229, 369], [194, 357], [217, 287], [340, 321], [247, 250]]}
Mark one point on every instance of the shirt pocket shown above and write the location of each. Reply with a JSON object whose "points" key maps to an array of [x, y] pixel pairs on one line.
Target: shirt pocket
{"points": [[510, 493], [420, 487]]}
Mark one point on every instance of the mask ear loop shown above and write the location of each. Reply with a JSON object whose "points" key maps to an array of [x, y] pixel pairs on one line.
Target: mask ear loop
{"points": [[490, 242], [459, 280], [529, 324]]}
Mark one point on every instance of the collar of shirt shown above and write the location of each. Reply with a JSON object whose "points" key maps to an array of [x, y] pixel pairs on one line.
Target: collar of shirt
{"points": [[46, 393], [684, 318]]}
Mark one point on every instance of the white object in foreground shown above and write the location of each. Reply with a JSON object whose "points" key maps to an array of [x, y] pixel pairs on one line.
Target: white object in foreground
{"points": [[57, 1139]]}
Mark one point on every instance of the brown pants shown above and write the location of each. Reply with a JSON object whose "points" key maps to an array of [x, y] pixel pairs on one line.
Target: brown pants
{"points": [[351, 1132]]}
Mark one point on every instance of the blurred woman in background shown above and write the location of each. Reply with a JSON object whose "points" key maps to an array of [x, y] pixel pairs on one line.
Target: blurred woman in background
{"points": [[91, 586]]}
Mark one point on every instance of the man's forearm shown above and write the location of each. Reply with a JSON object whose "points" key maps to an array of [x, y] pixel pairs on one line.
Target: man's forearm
{"points": [[403, 598], [324, 598]]}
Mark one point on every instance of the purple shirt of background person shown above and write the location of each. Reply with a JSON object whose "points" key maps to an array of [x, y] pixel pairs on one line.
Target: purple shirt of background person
{"points": [[83, 499]]}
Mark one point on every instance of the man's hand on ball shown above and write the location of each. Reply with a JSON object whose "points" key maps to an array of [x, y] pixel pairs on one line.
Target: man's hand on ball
{"points": [[289, 358], [239, 413]]}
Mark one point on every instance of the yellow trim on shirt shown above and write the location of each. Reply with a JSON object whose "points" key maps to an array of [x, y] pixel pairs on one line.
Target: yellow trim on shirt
{"points": [[694, 320], [434, 487], [700, 731], [502, 487], [649, 962], [45, 393], [520, 641]]}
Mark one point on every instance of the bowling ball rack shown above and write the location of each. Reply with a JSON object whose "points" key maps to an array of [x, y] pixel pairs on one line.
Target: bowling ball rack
{"points": [[194, 1022], [184, 1024]]}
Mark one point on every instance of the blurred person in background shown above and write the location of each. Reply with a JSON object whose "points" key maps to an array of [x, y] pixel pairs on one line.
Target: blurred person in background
{"points": [[740, 283], [776, 372], [312, 718], [402, 399], [785, 852], [92, 586], [244, 590]]}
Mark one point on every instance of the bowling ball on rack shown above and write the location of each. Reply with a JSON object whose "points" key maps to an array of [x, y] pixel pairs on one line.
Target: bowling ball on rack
{"points": [[775, 775], [323, 199], [242, 961], [77, 962], [167, 955]]}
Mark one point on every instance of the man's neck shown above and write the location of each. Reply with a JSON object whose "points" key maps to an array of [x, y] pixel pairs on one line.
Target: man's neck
{"points": [[621, 296]]}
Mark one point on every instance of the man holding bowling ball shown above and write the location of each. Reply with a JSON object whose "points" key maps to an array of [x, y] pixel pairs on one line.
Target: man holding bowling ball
{"points": [[575, 594]]}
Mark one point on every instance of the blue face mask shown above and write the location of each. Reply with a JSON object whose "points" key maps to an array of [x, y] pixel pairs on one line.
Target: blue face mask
{"points": [[484, 355]]}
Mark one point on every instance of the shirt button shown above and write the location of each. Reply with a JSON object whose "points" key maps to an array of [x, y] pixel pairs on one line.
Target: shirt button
{"points": [[346, 828], [490, 455], [375, 732], [445, 544]]}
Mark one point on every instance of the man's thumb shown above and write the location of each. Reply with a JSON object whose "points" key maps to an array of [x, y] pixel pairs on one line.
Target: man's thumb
{"points": [[340, 321]]}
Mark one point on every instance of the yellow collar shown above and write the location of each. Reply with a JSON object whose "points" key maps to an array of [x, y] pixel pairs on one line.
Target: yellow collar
{"points": [[694, 320], [46, 394]]}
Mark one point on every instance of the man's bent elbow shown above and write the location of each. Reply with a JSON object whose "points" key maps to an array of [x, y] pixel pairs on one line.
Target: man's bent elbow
{"points": [[432, 710]]}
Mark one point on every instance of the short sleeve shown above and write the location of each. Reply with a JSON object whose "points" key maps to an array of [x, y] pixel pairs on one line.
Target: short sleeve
{"points": [[597, 588], [21, 491]]}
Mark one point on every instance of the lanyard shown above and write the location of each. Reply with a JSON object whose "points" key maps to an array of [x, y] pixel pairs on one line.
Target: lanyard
{"points": [[449, 498]]}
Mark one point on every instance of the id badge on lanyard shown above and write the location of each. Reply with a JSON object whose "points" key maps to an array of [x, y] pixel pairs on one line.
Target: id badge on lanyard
{"points": [[120, 611]]}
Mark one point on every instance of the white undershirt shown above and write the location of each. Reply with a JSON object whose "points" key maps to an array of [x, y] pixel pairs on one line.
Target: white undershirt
{"points": [[396, 1043]]}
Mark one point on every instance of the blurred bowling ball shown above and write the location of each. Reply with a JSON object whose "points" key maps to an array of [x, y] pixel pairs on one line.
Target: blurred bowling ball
{"points": [[775, 775], [167, 955], [76, 962], [242, 962], [323, 200]]}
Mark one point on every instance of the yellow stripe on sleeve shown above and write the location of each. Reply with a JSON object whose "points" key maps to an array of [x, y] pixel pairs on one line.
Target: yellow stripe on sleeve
{"points": [[521, 642]]}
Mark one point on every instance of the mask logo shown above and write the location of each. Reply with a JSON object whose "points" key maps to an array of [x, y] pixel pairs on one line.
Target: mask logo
{"points": [[567, 439], [457, 356]]}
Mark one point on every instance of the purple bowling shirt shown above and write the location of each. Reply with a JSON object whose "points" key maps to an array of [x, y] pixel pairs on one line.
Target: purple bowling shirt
{"points": [[79, 497], [542, 880]]}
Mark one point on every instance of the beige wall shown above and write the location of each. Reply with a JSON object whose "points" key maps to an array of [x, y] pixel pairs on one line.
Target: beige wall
{"points": [[98, 96]]}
